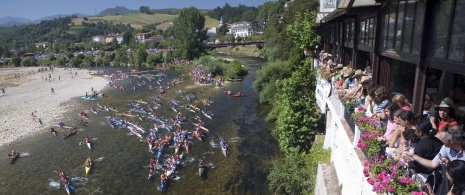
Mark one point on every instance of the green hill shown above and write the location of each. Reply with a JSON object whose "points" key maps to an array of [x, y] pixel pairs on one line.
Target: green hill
{"points": [[138, 20]]}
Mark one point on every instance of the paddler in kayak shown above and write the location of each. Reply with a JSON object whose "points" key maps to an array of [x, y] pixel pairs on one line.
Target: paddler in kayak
{"points": [[13, 153], [52, 130], [88, 162]]}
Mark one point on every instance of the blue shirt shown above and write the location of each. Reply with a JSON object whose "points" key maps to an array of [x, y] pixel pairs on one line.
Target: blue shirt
{"points": [[381, 106], [448, 153]]}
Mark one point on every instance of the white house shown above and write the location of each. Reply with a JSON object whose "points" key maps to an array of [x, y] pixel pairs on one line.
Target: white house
{"points": [[211, 31], [241, 29], [99, 38], [142, 36]]}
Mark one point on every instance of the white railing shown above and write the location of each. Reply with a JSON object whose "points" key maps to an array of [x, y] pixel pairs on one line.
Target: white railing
{"points": [[349, 168]]}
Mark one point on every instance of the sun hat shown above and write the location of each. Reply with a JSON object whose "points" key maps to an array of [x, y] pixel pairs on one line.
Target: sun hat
{"points": [[446, 103], [358, 73], [365, 79], [339, 66], [348, 73]]}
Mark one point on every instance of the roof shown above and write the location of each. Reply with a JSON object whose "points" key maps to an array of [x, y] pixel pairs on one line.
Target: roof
{"points": [[348, 8]]}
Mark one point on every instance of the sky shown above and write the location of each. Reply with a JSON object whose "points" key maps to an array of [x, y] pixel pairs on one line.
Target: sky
{"points": [[36, 9]]}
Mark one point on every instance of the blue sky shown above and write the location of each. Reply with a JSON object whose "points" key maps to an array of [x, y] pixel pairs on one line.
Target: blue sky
{"points": [[35, 9]]}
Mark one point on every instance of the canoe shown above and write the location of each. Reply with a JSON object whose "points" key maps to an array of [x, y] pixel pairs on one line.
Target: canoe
{"points": [[87, 167], [54, 133], [234, 80], [13, 158], [89, 98]]}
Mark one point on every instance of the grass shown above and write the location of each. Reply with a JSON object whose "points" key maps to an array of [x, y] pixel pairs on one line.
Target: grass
{"points": [[248, 50], [138, 20]]}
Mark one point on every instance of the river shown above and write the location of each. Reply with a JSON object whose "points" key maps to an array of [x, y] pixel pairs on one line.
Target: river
{"points": [[120, 158]]}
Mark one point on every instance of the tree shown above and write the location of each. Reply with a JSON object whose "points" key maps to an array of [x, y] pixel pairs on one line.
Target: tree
{"points": [[15, 61], [89, 60], [141, 55], [189, 33], [28, 61], [249, 15], [144, 9]]}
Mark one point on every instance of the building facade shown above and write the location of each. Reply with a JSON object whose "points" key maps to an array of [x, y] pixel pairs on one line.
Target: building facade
{"points": [[415, 48]]}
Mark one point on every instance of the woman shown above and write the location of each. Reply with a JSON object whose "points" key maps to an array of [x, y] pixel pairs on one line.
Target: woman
{"points": [[456, 175], [404, 120], [381, 99], [427, 147], [402, 101], [444, 116]]}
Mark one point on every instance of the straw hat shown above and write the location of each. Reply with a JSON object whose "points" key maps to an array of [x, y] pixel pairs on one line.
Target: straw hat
{"points": [[365, 79], [348, 73], [339, 66], [358, 73]]}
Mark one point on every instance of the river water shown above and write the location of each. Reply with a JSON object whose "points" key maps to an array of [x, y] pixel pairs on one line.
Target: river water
{"points": [[120, 158]]}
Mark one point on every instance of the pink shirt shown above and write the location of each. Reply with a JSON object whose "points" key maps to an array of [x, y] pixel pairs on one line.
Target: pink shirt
{"points": [[391, 126]]}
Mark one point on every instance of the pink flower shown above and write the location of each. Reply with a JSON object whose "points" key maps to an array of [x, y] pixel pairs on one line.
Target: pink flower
{"points": [[370, 181], [390, 189], [365, 172], [393, 175], [366, 163], [385, 182], [417, 193]]}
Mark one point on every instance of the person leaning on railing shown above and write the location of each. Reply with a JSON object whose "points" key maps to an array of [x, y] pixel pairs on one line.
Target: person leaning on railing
{"points": [[427, 147], [453, 139]]}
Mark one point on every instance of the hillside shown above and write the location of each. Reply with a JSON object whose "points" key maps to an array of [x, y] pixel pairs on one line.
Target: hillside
{"points": [[209, 22], [138, 20], [116, 11]]}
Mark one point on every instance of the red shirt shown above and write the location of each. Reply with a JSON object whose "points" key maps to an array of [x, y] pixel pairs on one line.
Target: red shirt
{"points": [[443, 123]]}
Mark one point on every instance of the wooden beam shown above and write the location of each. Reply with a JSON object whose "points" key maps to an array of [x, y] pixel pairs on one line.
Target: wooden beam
{"points": [[420, 73]]}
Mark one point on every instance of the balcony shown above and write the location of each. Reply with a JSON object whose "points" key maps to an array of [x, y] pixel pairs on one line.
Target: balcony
{"points": [[342, 137]]}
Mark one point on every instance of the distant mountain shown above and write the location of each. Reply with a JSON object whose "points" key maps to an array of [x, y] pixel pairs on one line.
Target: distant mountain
{"points": [[10, 21], [58, 16], [116, 11]]}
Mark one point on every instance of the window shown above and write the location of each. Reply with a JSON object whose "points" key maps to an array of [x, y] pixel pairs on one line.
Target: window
{"points": [[439, 36], [457, 40], [392, 26], [399, 30], [401, 78], [408, 26], [371, 32], [420, 11]]}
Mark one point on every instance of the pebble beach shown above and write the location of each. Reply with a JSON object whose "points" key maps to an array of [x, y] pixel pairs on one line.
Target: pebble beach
{"points": [[27, 92]]}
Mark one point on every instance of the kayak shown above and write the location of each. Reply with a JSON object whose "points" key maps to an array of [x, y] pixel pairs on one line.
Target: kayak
{"points": [[13, 158], [68, 190], [159, 153], [89, 98], [206, 115], [238, 95], [89, 144], [111, 123], [176, 148], [54, 133], [186, 146], [87, 167], [224, 148], [201, 170], [70, 134], [197, 135], [162, 186]]}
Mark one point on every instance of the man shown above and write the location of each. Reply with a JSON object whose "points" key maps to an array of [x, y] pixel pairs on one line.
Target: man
{"points": [[452, 138]]}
